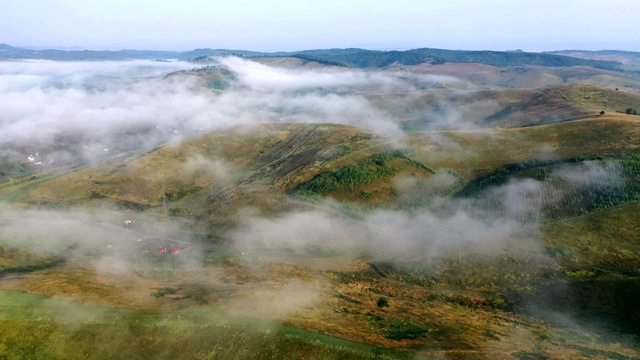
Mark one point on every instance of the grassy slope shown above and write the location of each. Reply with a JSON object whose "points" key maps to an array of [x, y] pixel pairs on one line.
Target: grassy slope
{"points": [[16, 259], [558, 103], [204, 169], [479, 152], [525, 76], [599, 254], [455, 313], [599, 239], [533, 101], [35, 329], [271, 159], [449, 106]]}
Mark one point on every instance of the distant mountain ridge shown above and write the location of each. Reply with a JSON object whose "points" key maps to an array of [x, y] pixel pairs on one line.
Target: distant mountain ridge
{"points": [[10, 52], [351, 57], [624, 57], [595, 52], [370, 58]]}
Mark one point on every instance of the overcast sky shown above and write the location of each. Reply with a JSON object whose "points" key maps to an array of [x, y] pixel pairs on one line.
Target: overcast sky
{"points": [[271, 25]]}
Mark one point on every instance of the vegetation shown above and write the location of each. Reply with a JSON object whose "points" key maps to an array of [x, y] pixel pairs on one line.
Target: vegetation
{"points": [[368, 58], [365, 171], [15, 259], [605, 182], [382, 302], [12, 170], [319, 59], [32, 331], [399, 329]]}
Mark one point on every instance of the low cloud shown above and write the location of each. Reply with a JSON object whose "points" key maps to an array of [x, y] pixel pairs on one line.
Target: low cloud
{"points": [[507, 215], [389, 235], [69, 112], [266, 78]]}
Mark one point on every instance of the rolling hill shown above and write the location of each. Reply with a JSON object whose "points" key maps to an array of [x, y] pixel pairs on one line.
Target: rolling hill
{"points": [[272, 169], [358, 58], [500, 223]]}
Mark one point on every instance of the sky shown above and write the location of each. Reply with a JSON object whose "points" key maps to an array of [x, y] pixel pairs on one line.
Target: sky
{"points": [[290, 25]]}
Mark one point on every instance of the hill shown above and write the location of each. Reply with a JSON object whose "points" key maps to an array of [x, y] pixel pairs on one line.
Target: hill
{"points": [[497, 219], [624, 57], [359, 58], [272, 159], [211, 190], [448, 107], [203, 189], [368, 58]]}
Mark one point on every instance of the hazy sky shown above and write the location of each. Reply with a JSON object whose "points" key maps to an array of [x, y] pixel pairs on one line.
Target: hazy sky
{"points": [[265, 25]]}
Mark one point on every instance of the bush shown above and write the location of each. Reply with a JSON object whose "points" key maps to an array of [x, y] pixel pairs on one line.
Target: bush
{"points": [[397, 329], [383, 302]]}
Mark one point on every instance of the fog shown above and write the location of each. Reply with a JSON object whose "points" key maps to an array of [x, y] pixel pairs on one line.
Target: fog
{"points": [[65, 114], [73, 112], [267, 78], [61, 113], [505, 220], [419, 234]]}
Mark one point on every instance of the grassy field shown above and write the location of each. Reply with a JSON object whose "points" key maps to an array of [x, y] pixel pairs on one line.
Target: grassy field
{"points": [[33, 327], [451, 311]]}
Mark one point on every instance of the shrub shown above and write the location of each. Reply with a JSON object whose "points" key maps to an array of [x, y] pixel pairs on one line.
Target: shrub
{"points": [[397, 329], [383, 302]]}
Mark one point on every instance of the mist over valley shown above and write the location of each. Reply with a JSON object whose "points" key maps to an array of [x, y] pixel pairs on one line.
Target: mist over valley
{"points": [[341, 203]]}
